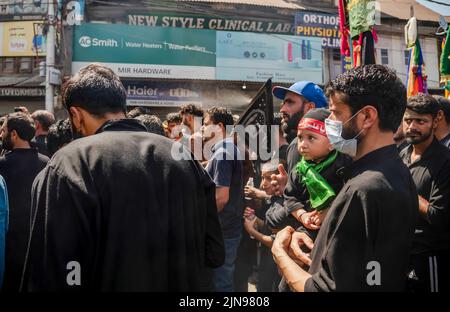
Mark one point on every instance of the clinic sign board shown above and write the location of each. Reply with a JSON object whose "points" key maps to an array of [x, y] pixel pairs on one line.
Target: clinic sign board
{"points": [[320, 25]]}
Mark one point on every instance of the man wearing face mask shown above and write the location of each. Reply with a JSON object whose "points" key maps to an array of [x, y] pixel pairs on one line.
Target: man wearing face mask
{"points": [[19, 167], [364, 241], [429, 163], [113, 210]]}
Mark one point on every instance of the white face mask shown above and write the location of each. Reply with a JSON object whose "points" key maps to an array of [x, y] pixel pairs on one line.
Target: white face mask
{"points": [[333, 129]]}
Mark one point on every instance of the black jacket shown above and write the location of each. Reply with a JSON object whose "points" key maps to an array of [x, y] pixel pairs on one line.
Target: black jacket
{"points": [[133, 218], [19, 168]]}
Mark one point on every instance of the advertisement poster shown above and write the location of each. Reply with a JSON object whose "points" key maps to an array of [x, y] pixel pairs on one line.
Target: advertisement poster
{"points": [[22, 39], [134, 51], [258, 57], [151, 93]]}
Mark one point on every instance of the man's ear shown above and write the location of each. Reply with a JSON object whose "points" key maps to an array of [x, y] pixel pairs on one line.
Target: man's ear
{"points": [[77, 117], [14, 136], [309, 106], [370, 114], [440, 115]]}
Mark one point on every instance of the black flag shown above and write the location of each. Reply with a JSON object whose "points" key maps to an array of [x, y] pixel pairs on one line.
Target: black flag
{"points": [[259, 113]]}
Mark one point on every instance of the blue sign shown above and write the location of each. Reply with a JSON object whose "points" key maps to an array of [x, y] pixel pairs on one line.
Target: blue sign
{"points": [[140, 93], [322, 25]]}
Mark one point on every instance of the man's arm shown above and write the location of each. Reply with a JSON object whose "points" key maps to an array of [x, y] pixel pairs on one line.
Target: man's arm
{"points": [[436, 209], [222, 197]]}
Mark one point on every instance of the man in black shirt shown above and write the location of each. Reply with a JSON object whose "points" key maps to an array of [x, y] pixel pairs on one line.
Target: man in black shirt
{"points": [[429, 163], [114, 210], [442, 132], [19, 167], [365, 239], [42, 121]]}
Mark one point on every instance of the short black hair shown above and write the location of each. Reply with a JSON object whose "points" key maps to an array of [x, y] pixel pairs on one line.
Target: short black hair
{"points": [[23, 124], [444, 105], [58, 135], [423, 104], [220, 114], [137, 111], [174, 117], [152, 123], [191, 109], [45, 118], [97, 89], [374, 85]]}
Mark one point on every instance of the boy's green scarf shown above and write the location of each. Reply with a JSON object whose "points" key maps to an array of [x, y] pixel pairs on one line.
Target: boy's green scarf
{"points": [[320, 192]]}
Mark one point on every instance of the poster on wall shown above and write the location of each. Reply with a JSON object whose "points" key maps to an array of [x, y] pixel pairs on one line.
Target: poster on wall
{"points": [[22, 39], [258, 57]]}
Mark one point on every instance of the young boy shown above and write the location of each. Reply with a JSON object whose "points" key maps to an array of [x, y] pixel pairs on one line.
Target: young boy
{"points": [[316, 179], [255, 225]]}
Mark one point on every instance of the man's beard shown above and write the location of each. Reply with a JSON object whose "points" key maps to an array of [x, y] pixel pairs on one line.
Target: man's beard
{"points": [[350, 131], [289, 127], [7, 142], [419, 137]]}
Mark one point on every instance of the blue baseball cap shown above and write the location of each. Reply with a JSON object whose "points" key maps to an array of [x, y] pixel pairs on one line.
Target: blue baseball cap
{"points": [[307, 89]]}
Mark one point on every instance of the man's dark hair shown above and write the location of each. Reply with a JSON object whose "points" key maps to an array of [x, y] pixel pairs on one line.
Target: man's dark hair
{"points": [[152, 123], [374, 85], [444, 105], [423, 104], [191, 109], [97, 89], [45, 118], [220, 114], [174, 117], [137, 111], [23, 124], [59, 134]]}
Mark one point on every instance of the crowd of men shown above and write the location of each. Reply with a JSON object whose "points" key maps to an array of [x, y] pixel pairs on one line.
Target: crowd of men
{"points": [[355, 198]]}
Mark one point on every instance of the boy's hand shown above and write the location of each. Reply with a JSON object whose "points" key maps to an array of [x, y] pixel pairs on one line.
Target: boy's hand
{"points": [[280, 180], [250, 226], [308, 220], [319, 217], [248, 212]]}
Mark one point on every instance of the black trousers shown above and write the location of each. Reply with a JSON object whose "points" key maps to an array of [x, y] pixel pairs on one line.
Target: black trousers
{"points": [[429, 272]]}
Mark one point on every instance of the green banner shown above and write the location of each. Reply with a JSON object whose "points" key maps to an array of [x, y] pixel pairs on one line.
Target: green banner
{"points": [[117, 43], [167, 52], [177, 20]]}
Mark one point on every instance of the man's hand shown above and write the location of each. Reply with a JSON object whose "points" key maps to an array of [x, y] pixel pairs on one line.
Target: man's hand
{"points": [[279, 181], [299, 240], [282, 242]]}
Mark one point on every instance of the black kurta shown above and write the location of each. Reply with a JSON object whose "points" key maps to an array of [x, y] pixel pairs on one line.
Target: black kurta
{"points": [[132, 217], [371, 219], [431, 174], [19, 168]]}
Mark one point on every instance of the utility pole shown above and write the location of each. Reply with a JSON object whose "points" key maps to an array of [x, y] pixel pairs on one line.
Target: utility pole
{"points": [[50, 58]]}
